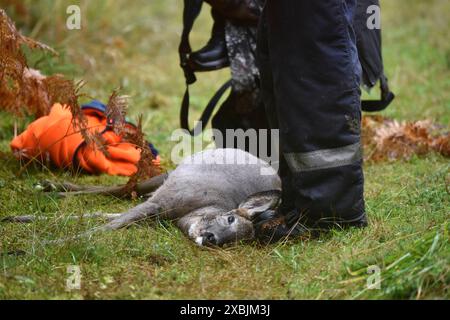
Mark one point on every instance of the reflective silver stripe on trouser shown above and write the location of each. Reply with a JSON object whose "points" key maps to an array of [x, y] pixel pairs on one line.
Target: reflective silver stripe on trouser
{"points": [[324, 159]]}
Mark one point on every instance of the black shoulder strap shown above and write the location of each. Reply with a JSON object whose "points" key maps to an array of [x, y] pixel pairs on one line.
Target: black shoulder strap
{"points": [[387, 96], [191, 11], [207, 113]]}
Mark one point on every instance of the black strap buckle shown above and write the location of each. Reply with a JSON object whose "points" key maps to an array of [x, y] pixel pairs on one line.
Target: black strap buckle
{"points": [[387, 96]]}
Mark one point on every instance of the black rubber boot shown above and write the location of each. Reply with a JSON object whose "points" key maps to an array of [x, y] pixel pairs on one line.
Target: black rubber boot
{"points": [[275, 225], [214, 55]]}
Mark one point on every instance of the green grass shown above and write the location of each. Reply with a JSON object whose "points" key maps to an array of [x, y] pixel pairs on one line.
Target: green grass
{"points": [[407, 202]]}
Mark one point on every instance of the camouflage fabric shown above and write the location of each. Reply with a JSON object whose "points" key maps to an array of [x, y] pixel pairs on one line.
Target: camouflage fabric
{"points": [[241, 45]]}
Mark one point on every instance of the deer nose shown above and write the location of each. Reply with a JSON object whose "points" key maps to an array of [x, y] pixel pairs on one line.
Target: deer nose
{"points": [[209, 238]]}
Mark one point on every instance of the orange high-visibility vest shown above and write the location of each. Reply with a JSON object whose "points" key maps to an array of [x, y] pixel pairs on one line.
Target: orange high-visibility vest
{"points": [[54, 136]]}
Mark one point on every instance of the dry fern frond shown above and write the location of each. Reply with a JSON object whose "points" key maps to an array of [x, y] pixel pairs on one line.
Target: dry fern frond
{"points": [[14, 39], [386, 139], [21, 89], [145, 167], [116, 111]]}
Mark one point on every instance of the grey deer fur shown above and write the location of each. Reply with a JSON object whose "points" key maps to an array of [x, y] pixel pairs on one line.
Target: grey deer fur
{"points": [[212, 196]]}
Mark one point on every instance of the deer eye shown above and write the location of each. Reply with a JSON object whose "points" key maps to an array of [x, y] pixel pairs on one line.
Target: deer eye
{"points": [[231, 219]]}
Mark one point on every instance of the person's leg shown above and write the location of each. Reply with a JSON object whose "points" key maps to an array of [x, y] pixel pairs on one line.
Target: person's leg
{"points": [[268, 98], [315, 76]]}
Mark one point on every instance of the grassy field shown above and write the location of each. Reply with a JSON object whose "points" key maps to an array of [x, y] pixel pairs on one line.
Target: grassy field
{"points": [[133, 44]]}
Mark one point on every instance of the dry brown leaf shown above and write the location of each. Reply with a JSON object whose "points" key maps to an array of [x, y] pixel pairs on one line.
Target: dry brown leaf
{"points": [[387, 139]]}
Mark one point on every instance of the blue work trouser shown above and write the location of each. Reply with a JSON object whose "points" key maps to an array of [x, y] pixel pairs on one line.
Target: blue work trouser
{"points": [[310, 81]]}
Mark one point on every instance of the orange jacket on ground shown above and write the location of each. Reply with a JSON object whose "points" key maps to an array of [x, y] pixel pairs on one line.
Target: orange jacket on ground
{"points": [[54, 136]]}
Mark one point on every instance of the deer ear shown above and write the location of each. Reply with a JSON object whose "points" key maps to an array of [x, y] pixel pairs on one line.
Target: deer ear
{"points": [[259, 203]]}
